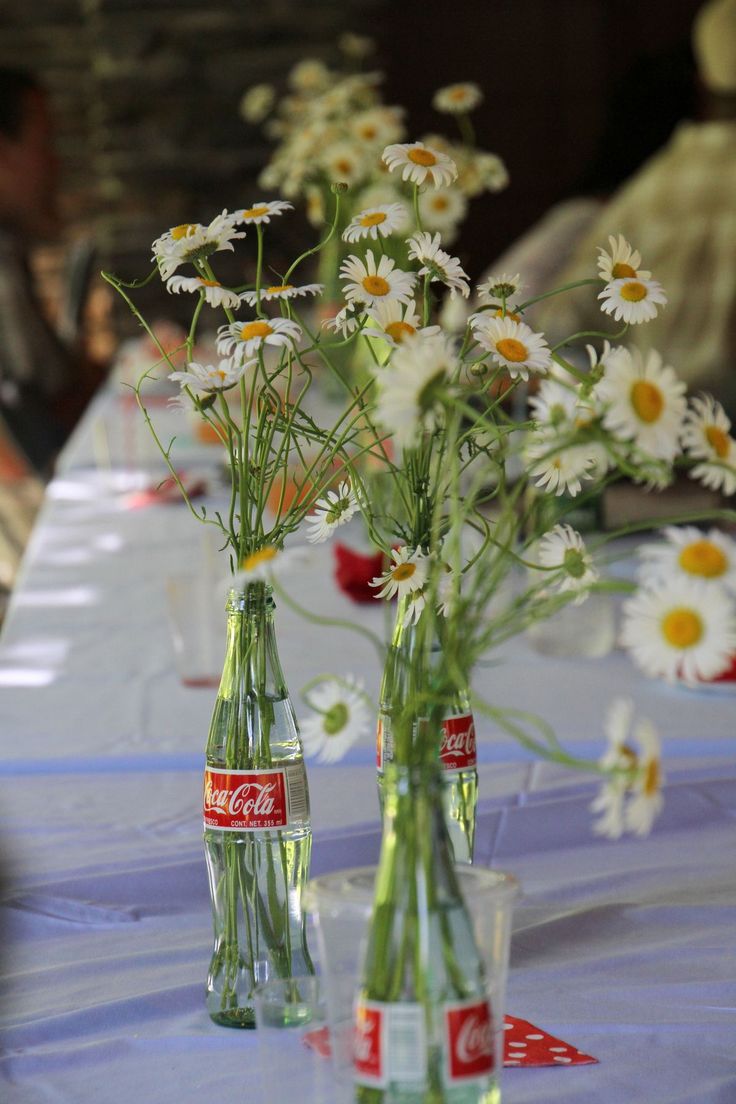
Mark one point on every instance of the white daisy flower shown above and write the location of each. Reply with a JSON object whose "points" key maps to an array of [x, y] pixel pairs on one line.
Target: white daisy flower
{"points": [[257, 102], [262, 211], [563, 548], [632, 300], [706, 436], [556, 406], [407, 573], [191, 242], [561, 469], [646, 801], [346, 321], [394, 321], [344, 162], [340, 717], [514, 345], [310, 75], [267, 563], [382, 220], [411, 387], [621, 263], [630, 798], [331, 512], [368, 282], [377, 126], [437, 264], [680, 628], [482, 172], [210, 378], [644, 402], [442, 209], [281, 291], [420, 164], [456, 99], [214, 293], [687, 551], [499, 288], [243, 339], [414, 604]]}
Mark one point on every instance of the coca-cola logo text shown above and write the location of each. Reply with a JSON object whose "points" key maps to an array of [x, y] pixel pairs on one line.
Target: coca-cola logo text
{"points": [[458, 747], [245, 799], [470, 1040], [367, 1056]]}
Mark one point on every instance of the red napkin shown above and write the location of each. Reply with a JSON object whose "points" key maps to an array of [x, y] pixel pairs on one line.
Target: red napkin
{"points": [[167, 491], [525, 1045], [354, 571]]}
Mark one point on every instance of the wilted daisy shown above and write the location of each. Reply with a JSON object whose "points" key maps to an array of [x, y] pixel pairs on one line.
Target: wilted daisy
{"points": [[498, 289], [383, 220], [414, 604], [210, 378], [442, 209], [412, 385], [331, 512], [563, 549], [621, 263], [340, 717], [437, 264], [420, 164], [644, 401], [214, 293], [706, 436], [368, 282], [632, 299], [281, 291], [192, 242], [407, 573], [680, 628], [394, 321], [243, 339], [455, 99], [267, 563], [687, 551], [514, 345], [262, 211], [630, 775], [560, 469]]}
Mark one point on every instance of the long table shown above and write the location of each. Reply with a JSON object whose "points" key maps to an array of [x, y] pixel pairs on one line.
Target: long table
{"points": [[625, 950]]}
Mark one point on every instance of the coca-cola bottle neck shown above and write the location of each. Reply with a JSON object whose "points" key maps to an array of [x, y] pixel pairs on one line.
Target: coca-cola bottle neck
{"points": [[251, 656]]}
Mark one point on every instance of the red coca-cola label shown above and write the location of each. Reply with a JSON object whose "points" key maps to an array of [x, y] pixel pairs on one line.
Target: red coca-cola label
{"points": [[379, 744], [245, 801], [469, 1034], [457, 749], [368, 1043]]}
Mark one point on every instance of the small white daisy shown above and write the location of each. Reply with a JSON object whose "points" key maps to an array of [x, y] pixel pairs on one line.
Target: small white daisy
{"points": [[556, 406], [456, 99], [437, 264], [383, 220], [680, 628], [413, 605], [420, 164], [497, 289], [412, 385], [563, 548], [281, 291], [630, 799], [340, 717], [214, 293], [310, 75], [644, 401], [257, 102], [514, 345], [394, 321], [561, 469], [621, 263], [331, 512], [262, 211], [687, 551], [632, 300], [706, 436], [368, 282], [243, 339], [210, 378], [377, 126], [482, 172], [646, 801], [407, 573], [191, 242], [346, 321], [267, 563], [345, 162], [442, 209]]}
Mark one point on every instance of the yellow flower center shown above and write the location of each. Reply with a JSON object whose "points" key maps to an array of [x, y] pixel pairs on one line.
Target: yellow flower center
{"points": [[219, 373], [344, 166], [652, 778], [621, 270], [278, 287], [718, 441], [179, 232], [633, 291], [399, 330], [513, 350], [263, 555], [255, 212], [705, 558], [459, 94], [440, 203], [403, 572], [255, 329], [422, 156], [509, 314], [647, 401], [682, 628], [376, 285], [368, 131], [373, 219], [209, 283]]}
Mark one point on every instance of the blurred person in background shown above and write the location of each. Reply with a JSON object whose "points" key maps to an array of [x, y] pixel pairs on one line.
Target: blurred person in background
{"points": [[45, 383]]}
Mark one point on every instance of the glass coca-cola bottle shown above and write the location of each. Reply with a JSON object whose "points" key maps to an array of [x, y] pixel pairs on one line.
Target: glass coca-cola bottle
{"points": [[257, 830], [457, 745]]}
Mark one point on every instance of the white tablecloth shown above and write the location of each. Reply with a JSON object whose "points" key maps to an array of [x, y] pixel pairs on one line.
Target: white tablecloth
{"points": [[625, 950]]}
